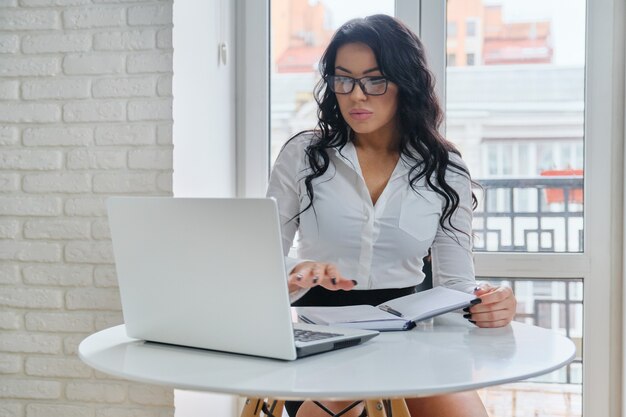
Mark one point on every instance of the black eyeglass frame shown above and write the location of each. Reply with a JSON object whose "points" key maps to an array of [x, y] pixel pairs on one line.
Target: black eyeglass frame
{"points": [[330, 80]]}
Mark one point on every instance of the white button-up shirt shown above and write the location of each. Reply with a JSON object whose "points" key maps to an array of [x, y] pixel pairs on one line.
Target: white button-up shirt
{"points": [[379, 245]]}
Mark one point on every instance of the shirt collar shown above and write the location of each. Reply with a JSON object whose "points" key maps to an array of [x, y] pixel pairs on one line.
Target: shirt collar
{"points": [[348, 156], [402, 168]]}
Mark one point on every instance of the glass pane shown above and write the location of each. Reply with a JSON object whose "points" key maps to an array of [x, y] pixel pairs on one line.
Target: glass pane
{"points": [[300, 31], [515, 109], [555, 304]]}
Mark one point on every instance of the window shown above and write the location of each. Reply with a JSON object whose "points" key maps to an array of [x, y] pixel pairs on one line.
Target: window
{"points": [[470, 28], [473, 127], [519, 117], [452, 30], [451, 60]]}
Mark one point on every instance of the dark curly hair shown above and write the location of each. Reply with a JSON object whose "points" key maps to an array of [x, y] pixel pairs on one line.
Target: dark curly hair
{"points": [[401, 59]]}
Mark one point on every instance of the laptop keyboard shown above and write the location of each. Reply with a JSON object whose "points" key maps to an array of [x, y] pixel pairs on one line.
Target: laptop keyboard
{"points": [[309, 336]]}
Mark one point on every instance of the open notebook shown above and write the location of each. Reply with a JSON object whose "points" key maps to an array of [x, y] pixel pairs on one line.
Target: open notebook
{"points": [[398, 314]]}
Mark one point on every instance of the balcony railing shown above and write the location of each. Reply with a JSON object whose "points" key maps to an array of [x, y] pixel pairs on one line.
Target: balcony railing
{"points": [[541, 214]]}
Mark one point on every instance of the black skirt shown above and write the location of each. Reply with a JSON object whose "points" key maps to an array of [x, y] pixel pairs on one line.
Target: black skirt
{"points": [[320, 296]]}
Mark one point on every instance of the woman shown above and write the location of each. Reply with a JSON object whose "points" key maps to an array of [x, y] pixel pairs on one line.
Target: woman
{"points": [[375, 187]]}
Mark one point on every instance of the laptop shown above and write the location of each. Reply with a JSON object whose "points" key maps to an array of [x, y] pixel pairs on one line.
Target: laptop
{"points": [[210, 273]]}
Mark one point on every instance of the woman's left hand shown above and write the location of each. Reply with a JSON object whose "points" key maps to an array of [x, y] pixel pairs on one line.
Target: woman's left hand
{"points": [[496, 309]]}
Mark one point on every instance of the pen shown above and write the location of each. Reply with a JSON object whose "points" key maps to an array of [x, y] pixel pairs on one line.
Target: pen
{"points": [[306, 319], [388, 309]]}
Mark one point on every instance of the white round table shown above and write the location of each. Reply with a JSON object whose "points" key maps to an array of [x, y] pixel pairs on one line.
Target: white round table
{"points": [[448, 355]]}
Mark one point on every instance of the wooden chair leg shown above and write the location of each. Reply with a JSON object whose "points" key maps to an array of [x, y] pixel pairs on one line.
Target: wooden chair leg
{"points": [[255, 406], [252, 408], [399, 408], [275, 407], [375, 408]]}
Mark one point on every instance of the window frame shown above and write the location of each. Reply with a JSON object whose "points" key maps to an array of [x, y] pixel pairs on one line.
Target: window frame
{"points": [[252, 96]]}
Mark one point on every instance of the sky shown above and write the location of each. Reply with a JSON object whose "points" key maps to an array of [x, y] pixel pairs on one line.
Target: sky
{"points": [[567, 17]]}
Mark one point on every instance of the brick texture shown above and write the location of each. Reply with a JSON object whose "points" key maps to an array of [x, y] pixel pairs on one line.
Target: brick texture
{"points": [[85, 113], [10, 320]]}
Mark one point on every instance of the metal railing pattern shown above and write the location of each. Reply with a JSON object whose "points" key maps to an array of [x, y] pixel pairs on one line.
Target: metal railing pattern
{"points": [[538, 214]]}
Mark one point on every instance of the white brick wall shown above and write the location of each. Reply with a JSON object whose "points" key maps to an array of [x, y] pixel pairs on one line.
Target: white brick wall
{"points": [[85, 112]]}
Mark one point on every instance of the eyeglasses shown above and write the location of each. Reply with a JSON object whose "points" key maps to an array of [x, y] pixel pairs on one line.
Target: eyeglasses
{"points": [[371, 86]]}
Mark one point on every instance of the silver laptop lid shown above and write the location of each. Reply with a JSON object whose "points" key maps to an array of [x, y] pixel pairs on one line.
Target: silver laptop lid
{"points": [[193, 272]]}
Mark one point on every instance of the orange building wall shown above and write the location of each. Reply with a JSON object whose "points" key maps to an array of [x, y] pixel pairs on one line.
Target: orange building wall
{"points": [[299, 34], [459, 11]]}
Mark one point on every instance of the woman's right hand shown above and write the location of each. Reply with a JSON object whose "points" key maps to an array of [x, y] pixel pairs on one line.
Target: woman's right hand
{"points": [[311, 274]]}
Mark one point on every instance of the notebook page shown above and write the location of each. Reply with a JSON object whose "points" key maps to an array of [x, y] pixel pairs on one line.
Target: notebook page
{"points": [[430, 302], [347, 314]]}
